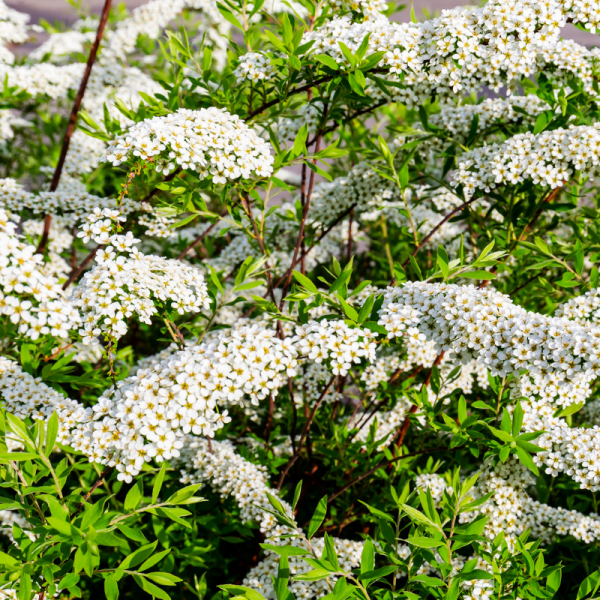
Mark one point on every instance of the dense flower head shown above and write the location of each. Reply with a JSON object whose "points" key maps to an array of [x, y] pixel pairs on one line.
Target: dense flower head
{"points": [[13, 25], [336, 344], [26, 396], [561, 357], [146, 415], [451, 48], [550, 158], [71, 197], [29, 298], [126, 282], [254, 66], [211, 141]]}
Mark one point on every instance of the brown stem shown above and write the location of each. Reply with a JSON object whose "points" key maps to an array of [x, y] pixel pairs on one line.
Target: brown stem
{"points": [[413, 409], [349, 249], [382, 465], [267, 434], [311, 184], [75, 273], [294, 414], [96, 485], [199, 239], [73, 120], [305, 432], [437, 227], [300, 90]]}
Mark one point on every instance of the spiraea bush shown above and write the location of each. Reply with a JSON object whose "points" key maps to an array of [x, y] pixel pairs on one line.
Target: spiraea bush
{"points": [[298, 301]]}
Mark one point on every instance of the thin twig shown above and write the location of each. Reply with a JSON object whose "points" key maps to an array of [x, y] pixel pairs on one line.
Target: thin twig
{"points": [[198, 240], [413, 409], [305, 432], [437, 227], [96, 485], [73, 120], [311, 183], [79, 269], [382, 465]]}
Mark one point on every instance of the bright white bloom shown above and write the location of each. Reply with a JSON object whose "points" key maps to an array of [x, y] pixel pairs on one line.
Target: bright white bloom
{"points": [[126, 282], [550, 158], [216, 144], [30, 298], [146, 415], [27, 397]]}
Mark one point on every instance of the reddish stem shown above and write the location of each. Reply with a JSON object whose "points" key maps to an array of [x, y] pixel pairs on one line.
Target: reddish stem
{"points": [[73, 120]]}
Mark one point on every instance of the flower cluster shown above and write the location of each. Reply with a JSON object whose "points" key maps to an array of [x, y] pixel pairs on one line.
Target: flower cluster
{"points": [[28, 397], [71, 197], [454, 46], [58, 241], [13, 25], [216, 144], [457, 120], [219, 465], [309, 114], [584, 308], [335, 343], [549, 158], [573, 451], [512, 511], [561, 357], [126, 282], [61, 44], [147, 415], [43, 79], [30, 299], [157, 225], [254, 66]]}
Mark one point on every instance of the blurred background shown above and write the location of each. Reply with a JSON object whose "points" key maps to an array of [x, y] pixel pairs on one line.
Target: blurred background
{"points": [[61, 10]]}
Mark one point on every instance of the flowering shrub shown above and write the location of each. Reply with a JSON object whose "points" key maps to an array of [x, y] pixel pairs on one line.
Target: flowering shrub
{"points": [[291, 308]]}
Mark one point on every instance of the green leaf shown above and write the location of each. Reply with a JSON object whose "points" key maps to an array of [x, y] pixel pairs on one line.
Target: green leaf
{"points": [[229, 16], [152, 560], [51, 433], [517, 420], [152, 589], [569, 410], [285, 550], [305, 282], [367, 559], [134, 497], [483, 275], [318, 517], [348, 310], [327, 61], [158, 482], [300, 140], [314, 575], [24, 586], [242, 590], [377, 573], [139, 556], [132, 533], [111, 588], [423, 542], [589, 586], [17, 456], [186, 495]]}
